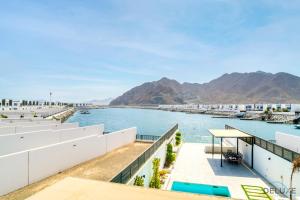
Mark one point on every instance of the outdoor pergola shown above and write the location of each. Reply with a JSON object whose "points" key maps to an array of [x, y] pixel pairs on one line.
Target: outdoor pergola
{"points": [[230, 133]]}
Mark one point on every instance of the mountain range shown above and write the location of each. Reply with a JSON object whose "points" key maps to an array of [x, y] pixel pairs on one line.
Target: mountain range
{"points": [[254, 87]]}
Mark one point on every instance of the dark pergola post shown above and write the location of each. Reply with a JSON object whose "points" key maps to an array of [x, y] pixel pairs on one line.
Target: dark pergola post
{"points": [[213, 145], [221, 152], [252, 149], [237, 145]]}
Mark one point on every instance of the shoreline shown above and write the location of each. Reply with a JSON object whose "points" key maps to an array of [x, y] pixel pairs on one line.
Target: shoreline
{"points": [[274, 118]]}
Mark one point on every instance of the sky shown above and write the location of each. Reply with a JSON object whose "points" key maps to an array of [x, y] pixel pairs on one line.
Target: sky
{"points": [[85, 50]]}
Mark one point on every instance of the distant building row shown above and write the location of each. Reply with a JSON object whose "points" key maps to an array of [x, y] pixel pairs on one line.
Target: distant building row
{"points": [[9, 104], [236, 107]]}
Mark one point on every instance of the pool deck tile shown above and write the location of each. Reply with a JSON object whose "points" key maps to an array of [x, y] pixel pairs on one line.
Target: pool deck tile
{"points": [[195, 166]]}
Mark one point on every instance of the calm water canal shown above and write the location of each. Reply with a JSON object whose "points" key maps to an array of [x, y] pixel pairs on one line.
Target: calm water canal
{"points": [[156, 122]]}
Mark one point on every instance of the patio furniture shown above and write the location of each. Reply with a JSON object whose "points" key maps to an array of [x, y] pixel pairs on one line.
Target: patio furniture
{"points": [[233, 157], [231, 133]]}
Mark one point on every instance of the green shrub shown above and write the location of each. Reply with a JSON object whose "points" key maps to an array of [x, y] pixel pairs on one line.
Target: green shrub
{"points": [[163, 173], [139, 181], [155, 179], [178, 140], [170, 156], [3, 116], [174, 156]]}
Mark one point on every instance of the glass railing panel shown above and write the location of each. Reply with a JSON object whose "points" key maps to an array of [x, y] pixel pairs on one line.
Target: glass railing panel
{"points": [[287, 154], [270, 147], [278, 150]]}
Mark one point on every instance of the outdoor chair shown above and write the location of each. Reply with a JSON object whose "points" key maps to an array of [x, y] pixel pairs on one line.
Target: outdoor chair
{"points": [[233, 157]]}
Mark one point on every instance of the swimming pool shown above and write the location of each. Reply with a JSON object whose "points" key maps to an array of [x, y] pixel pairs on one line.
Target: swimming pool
{"points": [[200, 189]]}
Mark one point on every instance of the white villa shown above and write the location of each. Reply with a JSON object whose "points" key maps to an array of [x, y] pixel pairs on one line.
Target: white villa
{"points": [[15, 105], [234, 107]]}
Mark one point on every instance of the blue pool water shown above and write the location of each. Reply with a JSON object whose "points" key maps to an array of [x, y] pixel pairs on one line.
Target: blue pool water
{"points": [[194, 126], [201, 189]]}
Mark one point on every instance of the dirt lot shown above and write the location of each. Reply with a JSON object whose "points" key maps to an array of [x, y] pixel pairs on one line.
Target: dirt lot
{"points": [[102, 168]]}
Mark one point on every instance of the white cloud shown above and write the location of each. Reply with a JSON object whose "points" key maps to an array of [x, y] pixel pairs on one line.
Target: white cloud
{"points": [[70, 77], [190, 41]]}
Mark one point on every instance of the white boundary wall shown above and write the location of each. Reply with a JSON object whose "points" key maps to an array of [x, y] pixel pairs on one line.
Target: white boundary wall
{"points": [[63, 156], [14, 172], [70, 134], [270, 166], [23, 168], [288, 141], [246, 150], [25, 141], [113, 140], [7, 130], [27, 122], [275, 169]]}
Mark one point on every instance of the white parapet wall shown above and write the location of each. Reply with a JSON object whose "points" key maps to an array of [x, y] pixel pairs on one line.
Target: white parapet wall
{"points": [[72, 133], [28, 121], [24, 141], [30, 113], [275, 169], [288, 141], [14, 172], [117, 139], [23, 129], [13, 129], [76, 151], [272, 167], [23, 168], [245, 149], [7, 130]]}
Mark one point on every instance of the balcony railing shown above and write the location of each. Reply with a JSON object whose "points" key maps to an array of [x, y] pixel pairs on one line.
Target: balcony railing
{"points": [[280, 151], [147, 137], [126, 174]]}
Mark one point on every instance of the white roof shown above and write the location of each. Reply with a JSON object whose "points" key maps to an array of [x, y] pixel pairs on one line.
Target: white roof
{"points": [[228, 133]]}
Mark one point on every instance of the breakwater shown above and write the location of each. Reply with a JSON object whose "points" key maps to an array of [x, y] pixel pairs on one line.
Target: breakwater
{"points": [[63, 116]]}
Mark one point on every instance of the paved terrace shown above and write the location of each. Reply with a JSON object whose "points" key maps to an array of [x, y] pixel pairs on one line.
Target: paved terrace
{"points": [[75, 188], [102, 168], [195, 166]]}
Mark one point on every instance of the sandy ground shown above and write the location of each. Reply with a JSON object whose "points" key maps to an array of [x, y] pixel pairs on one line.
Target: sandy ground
{"points": [[102, 168]]}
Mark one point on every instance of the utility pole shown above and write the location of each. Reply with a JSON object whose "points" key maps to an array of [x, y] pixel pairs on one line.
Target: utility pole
{"points": [[50, 99]]}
